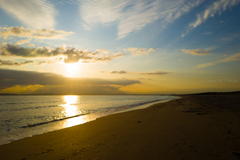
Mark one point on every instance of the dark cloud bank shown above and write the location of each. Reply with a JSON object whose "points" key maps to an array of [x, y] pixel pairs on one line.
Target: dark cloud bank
{"points": [[51, 83]]}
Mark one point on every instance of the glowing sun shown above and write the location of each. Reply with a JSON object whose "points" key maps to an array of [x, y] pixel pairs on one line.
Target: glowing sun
{"points": [[72, 69]]}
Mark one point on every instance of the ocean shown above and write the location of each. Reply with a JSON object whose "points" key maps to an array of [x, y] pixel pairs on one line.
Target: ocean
{"points": [[25, 116]]}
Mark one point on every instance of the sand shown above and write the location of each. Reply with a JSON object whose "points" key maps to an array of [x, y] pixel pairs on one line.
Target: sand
{"points": [[191, 128]]}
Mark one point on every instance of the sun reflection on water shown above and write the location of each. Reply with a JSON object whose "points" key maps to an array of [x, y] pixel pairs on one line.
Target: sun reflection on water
{"points": [[70, 106], [72, 110]]}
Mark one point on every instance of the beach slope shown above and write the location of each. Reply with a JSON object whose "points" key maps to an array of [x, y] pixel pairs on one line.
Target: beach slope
{"points": [[193, 127]]}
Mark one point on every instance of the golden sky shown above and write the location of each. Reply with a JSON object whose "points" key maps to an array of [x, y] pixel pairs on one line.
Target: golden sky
{"points": [[119, 47]]}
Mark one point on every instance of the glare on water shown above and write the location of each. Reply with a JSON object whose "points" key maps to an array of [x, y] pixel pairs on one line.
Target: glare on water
{"points": [[72, 110], [49, 113], [70, 107]]}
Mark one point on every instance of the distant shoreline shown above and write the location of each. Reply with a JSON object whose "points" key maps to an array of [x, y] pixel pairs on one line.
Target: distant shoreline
{"points": [[201, 93]]}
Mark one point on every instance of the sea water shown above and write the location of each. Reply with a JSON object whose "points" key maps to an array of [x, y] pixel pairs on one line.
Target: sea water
{"points": [[24, 116]]}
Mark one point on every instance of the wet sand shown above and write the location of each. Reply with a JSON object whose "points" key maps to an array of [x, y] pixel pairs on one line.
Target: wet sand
{"points": [[191, 128]]}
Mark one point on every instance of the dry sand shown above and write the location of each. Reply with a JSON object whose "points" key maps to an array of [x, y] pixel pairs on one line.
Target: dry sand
{"points": [[191, 128]]}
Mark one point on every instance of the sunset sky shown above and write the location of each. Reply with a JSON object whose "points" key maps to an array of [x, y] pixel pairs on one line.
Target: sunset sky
{"points": [[119, 46]]}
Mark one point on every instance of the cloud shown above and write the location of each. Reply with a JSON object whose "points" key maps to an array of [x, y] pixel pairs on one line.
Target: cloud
{"points": [[206, 64], [140, 51], [8, 32], [50, 83], [157, 73], [15, 50], [215, 8], [13, 63], [102, 50], [132, 15], [107, 57], [23, 41], [45, 62], [31, 45], [208, 33], [36, 14], [235, 57], [145, 78], [195, 51], [118, 72], [4, 43], [70, 55], [231, 37], [64, 2]]}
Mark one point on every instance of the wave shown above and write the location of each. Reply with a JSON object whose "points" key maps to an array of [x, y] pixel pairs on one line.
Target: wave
{"points": [[26, 108], [100, 111], [33, 102], [110, 109], [55, 120], [20, 103], [133, 105]]}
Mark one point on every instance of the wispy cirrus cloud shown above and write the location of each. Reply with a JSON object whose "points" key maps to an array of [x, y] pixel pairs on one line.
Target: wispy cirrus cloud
{"points": [[207, 64], [235, 57], [8, 32], [36, 14], [131, 15], [231, 37], [195, 51], [13, 63], [70, 55], [215, 8]]}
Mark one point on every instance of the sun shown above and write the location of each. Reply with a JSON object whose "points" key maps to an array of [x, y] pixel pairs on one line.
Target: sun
{"points": [[72, 69]]}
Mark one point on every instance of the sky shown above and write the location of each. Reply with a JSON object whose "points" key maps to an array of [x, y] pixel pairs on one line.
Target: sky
{"points": [[119, 46]]}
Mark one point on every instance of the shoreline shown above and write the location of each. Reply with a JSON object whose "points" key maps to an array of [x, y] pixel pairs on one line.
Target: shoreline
{"points": [[143, 106], [59, 124], [192, 127]]}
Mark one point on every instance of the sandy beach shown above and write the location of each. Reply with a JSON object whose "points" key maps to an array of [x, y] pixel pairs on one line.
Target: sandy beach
{"points": [[191, 128]]}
